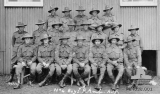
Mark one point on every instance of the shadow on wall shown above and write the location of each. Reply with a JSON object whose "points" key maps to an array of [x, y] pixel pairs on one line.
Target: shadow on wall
{"points": [[149, 61]]}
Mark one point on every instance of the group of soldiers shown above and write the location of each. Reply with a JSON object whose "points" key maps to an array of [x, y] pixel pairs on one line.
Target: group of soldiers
{"points": [[70, 45]]}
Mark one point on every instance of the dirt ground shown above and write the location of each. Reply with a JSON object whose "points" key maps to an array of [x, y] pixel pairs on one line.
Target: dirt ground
{"points": [[54, 89]]}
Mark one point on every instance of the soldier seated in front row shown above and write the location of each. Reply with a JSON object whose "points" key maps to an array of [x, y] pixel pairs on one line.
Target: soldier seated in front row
{"points": [[115, 61], [97, 57], [63, 59], [27, 54], [132, 59], [80, 60]]}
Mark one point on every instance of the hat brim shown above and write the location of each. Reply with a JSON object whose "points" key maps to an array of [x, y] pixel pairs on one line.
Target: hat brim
{"points": [[119, 25], [20, 26], [113, 38], [40, 23], [27, 37], [93, 11], [93, 41], [66, 11], [130, 41], [85, 24], [53, 9], [81, 10], [133, 29], [108, 9], [79, 39], [64, 39], [45, 38], [57, 24]]}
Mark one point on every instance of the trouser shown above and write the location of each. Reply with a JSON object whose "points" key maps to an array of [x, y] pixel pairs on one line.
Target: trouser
{"points": [[59, 69], [85, 73]]}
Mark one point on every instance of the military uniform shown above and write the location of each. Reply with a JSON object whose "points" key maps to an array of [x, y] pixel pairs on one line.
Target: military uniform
{"points": [[46, 57], [37, 33], [115, 60], [63, 60], [138, 40], [107, 19], [97, 57], [66, 19], [51, 19], [16, 42], [27, 54], [80, 60]]}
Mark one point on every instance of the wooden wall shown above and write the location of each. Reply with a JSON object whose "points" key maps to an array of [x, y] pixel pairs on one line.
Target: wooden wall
{"points": [[147, 18]]}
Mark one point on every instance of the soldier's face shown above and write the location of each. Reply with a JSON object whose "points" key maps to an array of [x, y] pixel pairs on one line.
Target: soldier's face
{"points": [[116, 29], [85, 27], [64, 41], [133, 32], [27, 40], [41, 25], [97, 42], [94, 13], [66, 13], [56, 26], [53, 12], [80, 12], [80, 42], [21, 28], [46, 41], [100, 28], [130, 43], [108, 11], [114, 41]]}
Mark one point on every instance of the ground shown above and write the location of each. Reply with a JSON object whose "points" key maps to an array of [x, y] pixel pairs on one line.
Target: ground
{"points": [[54, 89]]}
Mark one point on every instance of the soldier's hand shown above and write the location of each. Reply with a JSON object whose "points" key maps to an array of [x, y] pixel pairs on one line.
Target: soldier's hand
{"points": [[23, 64], [63, 66], [81, 64], [29, 63], [47, 65], [115, 63]]}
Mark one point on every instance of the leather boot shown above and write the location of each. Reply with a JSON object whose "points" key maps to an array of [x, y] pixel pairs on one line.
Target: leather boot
{"points": [[31, 79], [82, 82], [99, 87], [63, 80], [44, 81], [17, 87], [11, 75]]}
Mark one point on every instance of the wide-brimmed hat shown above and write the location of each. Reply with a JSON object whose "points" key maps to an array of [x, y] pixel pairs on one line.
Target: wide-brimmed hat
{"points": [[40, 22], [93, 9], [45, 36], [57, 23], [133, 27], [114, 25], [80, 8], [71, 23], [52, 8], [129, 39], [66, 9], [107, 8], [86, 22], [97, 38], [64, 37], [113, 37], [27, 36], [79, 38], [20, 24]]}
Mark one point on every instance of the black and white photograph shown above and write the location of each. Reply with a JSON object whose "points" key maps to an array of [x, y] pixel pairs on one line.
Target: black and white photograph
{"points": [[79, 46]]}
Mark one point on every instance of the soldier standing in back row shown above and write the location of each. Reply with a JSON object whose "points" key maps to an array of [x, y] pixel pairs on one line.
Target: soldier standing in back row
{"points": [[81, 60], [51, 18], [46, 57], [27, 55], [37, 33], [16, 42], [66, 19], [138, 41], [80, 17], [108, 18], [115, 60], [63, 59], [98, 58]]}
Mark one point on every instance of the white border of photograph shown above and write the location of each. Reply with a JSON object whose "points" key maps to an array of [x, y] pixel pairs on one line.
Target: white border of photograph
{"points": [[138, 3], [7, 3]]}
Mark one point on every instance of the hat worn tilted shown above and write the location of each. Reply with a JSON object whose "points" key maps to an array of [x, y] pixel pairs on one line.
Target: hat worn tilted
{"points": [[133, 27], [57, 23], [66, 9], [20, 24], [40, 22], [98, 11], [27, 36], [107, 8], [64, 37], [86, 22], [45, 36], [79, 38], [113, 37], [80, 8], [52, 8], [97, 38], [114, 25]]}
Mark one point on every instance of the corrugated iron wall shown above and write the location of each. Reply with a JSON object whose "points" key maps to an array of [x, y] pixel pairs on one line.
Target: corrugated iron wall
{"points": [[144, 17]]}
